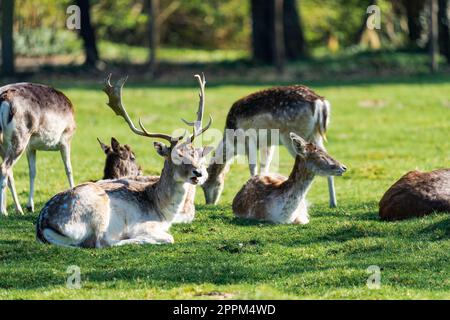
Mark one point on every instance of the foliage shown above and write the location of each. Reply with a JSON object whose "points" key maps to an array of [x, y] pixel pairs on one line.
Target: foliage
{"points": [[376, 131]]}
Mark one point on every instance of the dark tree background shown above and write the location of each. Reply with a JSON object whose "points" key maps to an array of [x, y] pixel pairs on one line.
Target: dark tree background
{"points": [[7, 14], [87, 33], [263, 31]]}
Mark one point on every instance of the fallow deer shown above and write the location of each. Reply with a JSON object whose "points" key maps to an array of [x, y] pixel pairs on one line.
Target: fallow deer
{"points": [[279, 199], [32, 117], [289, 109], [125, 211], [121, 163], [417, 194]]}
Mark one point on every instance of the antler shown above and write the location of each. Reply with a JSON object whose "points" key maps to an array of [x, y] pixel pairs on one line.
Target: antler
{"points": [[115, 103], [197, 125]]}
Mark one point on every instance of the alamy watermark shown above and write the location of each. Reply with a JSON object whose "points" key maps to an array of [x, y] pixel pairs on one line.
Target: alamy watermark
{"points": [[374, 19], [374, 280], [73, 21], [74, 279]]}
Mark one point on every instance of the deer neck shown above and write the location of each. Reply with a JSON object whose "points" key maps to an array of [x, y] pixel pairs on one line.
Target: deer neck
{"points": [[169, 194], [297, 185], [219, 163]]}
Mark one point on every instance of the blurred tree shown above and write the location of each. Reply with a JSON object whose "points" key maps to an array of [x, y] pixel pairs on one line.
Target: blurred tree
{"points": [[153, 9], [87, 33], [279, 48], [263, 31], [434, 37], [7, 14], [413, 10], [444, 28]]}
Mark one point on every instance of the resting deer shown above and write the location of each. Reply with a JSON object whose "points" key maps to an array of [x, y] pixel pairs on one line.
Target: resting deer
{"points": [[289, 109], [125, 211], [121, 163], [32, 117], [283, 200], [417, 194]]}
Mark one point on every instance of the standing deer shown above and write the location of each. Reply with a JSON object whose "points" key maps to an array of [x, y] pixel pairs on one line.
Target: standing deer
{"points": [[119, 212], [32, 117], [283, 200], [121, 163], [417, 194], [289, 109]]}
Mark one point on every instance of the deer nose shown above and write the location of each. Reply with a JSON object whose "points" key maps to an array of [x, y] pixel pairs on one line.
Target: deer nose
{"points": [[197, 173], [344, 168]]}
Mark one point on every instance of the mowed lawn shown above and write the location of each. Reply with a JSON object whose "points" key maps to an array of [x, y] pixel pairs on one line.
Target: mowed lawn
{"points": [[380, 130]]}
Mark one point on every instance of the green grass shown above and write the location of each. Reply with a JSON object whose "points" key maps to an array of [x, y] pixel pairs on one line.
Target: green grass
{"points": [[219, 255]]}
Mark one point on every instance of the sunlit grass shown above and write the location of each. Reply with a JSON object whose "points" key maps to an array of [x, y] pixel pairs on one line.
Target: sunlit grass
{"points": [[221, 255]]}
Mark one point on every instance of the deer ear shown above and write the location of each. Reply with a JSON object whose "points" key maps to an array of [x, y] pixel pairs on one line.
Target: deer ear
{"points": [[106, 149], [206, 150], [115, 144], [162, 149], [299, 144]]}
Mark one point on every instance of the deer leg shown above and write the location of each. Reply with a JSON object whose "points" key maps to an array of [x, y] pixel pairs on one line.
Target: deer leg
{"points": [[12, 155], [65, 155], [31, 157], [12, 188], [251, 152], [331, 189], [266, 158]]}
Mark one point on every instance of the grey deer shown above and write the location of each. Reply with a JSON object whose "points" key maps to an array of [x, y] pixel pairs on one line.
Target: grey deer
{"points": [[32, 117]]}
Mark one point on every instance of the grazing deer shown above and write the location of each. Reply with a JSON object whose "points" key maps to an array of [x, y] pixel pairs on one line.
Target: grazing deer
{"points": [[417, 194], [282, 200], [32, 117], [125, 211], [121, 163], [289, 109]]}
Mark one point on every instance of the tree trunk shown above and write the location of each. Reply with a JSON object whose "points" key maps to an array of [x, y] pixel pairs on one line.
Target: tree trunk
{"points": [[279, 50], [87, 33], [444, 28], [263, 31], [434, 44], [153, 7], [294, 38], [413, 9], [7, 15]]}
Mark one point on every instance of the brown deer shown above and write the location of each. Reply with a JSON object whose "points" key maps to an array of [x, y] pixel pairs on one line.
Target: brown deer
{"points": [[32, 117], [417, 194], [283, 200], [121, 163], [289, 109], [125, 211]]}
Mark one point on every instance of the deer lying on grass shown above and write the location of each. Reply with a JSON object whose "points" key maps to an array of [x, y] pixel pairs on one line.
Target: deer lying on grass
{"points": [[32, 117], [289, 109], [417, 194], [282, 200], [121, 163], [119, 212]]}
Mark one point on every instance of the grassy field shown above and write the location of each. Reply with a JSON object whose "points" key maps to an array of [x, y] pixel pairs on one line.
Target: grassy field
{"points": [[379, 129]]}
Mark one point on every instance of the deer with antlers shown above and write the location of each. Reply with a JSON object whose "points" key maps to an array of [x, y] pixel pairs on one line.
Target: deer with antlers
{"points": [[121, 163], [125, 211]]}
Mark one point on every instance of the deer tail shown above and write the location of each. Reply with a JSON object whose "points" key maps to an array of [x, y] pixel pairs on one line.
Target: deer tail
{"points": [[322, 112], [6, 114]]}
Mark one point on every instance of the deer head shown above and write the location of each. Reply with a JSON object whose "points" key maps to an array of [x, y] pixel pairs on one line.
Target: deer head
{"points": [[315, 159], [120, 160], [186, 162]]}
